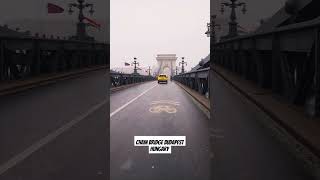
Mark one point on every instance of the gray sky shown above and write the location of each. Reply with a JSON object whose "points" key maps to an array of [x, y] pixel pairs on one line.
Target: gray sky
{"points": [[145, 28]]}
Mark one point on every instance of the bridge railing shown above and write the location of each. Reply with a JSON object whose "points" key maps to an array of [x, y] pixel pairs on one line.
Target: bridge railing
{"points": [[196, 80], [120, 79], [25, 57], [285, 60]]}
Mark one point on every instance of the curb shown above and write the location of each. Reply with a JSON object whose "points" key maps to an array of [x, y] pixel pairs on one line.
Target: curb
{"points": [[203, 106], [188, 91]]}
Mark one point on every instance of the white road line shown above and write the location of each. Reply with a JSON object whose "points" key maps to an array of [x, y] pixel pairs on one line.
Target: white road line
{"points": [[131, 101], [42, 142]]}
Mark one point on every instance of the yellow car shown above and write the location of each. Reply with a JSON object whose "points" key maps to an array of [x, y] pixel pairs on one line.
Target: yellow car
{"points": [[163, 78]]}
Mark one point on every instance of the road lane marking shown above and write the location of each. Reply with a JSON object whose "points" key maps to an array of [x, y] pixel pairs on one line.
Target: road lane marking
{"points": [[165, 102], [131, 101], [42, 142], [163, 106]]}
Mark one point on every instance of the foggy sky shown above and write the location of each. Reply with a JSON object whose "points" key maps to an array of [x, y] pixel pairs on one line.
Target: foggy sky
{"points": [[145, 28]]}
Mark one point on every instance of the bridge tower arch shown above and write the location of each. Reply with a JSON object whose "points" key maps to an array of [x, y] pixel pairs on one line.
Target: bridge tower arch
{"points": [[166, 64]]}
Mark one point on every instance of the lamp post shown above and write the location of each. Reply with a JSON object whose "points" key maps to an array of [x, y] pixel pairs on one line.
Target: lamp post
{"points": [[135, 63], [182, 63], [81, 26], [233, 25], [211, 32], [149, 71]]}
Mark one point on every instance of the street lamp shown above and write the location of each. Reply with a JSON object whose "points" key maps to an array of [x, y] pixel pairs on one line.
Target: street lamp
{"points": [[149, 71], [233, 25], [81, 26], [211, 28], [182, 63], [135, 63]]}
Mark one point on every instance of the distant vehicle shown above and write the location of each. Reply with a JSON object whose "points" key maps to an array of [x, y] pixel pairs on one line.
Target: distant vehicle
{"points": [[162, 78]]}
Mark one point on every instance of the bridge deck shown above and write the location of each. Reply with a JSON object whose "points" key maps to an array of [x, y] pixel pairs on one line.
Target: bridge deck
{"points": [[242, 147], [129, 162], [31, 122], [37, 148]]}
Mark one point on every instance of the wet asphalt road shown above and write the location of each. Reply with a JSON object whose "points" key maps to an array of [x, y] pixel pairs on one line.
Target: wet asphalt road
{"points": [[243, 148], [56, 132], [134, 163]]}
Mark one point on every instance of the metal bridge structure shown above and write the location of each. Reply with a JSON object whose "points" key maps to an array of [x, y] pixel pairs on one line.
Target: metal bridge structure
{"points": [[25, 57], [198, 78], [282, 55], [120, 79]]}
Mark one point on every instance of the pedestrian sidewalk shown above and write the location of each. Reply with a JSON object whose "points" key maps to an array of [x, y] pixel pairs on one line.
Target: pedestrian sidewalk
{"points": [[292, 118]]}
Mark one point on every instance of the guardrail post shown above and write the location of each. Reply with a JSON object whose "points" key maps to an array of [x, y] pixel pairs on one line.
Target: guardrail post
{"points": [[198, 85], [245, 64], [2, 59], [189, 81], [36, 65], [207, 83], [238, 58], [276, 64], [73, 59], [242, 60], [256, 57], [62, 65], [232, 58]]}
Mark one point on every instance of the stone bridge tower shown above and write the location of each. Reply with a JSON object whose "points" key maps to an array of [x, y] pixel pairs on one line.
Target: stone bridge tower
{"points": [[166, 64]]}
